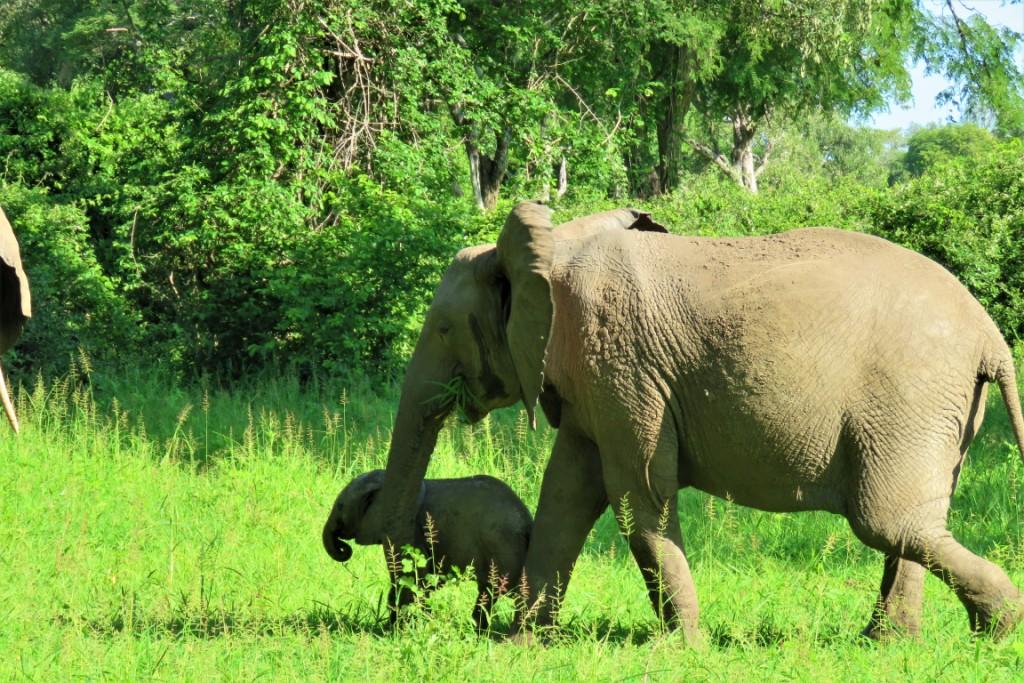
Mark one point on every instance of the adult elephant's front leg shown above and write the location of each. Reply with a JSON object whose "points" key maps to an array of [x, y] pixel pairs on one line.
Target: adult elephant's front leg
{"points": [[644, 501], [572, 497]]}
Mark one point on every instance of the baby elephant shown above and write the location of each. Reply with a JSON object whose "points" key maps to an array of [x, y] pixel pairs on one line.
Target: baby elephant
{"points": [[474, 520]]}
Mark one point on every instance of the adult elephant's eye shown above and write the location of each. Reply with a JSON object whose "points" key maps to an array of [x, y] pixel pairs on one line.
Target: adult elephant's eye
{"points": [[444, 329]]}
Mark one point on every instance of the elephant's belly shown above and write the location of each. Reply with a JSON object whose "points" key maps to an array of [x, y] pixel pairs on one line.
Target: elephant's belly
{"points": [[765, 434], [785, 498], [762, 464]]}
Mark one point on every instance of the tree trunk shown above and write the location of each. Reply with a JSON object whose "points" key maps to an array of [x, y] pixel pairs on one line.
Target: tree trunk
{"points": [[563, 179], [741, 165], [743, 153], [474, 173], [487, 173], [678, 96]]}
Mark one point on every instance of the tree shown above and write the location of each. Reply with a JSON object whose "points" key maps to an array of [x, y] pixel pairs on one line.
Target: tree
{"points": [[933, 145], [759, 62], [988, 85], [829, 147], [782, 60]]}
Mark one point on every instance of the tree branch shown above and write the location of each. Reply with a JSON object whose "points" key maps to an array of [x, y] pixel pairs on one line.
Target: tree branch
{"points": [[764, 158], [716, 157]]}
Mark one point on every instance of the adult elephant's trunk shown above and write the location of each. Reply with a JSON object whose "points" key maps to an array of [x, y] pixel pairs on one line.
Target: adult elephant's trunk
{"points": [[8, 405], [421, 412]]}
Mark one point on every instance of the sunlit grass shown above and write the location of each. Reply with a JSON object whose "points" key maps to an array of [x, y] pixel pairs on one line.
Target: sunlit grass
{"points": [[152, 531]]}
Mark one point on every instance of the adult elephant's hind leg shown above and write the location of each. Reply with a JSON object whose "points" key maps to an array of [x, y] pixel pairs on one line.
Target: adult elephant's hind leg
{"points": [[917, 532], [898, 609], [994, 605]]}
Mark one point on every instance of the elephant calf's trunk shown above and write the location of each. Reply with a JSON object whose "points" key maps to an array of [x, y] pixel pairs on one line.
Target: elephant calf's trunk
{"points": [[336, 547], [8, 405]]}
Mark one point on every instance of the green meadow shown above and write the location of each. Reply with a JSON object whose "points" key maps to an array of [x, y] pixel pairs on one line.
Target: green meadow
{"points": [[153, 533]]}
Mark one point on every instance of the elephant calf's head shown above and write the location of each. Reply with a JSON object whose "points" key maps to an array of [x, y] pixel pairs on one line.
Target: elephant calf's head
{"points": [[350, 506], [347, 514]]}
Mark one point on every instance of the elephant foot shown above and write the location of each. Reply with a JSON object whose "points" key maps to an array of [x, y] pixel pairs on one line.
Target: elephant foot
{"points": [[524, 638], [885, 631], [1000, 621], [692, 637], [888, 624]]}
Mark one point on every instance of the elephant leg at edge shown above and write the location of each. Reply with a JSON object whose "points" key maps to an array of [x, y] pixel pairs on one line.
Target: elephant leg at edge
{"points": [[572, 497], [898, 608]]}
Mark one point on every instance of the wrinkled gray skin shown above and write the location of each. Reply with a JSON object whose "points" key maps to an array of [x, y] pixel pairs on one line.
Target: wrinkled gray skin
{"points": [[477, 521], [812, 370], [15, 304]]}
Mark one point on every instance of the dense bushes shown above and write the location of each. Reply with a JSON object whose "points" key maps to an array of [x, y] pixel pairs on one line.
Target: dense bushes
{"points": [[213, 197], [967, 213], [710, 205], [75, 304]]}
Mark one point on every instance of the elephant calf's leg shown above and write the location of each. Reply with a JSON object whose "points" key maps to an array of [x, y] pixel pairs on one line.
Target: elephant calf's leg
{"points": [[898, 609], [398, 597], [401, 595], [482, 608]]}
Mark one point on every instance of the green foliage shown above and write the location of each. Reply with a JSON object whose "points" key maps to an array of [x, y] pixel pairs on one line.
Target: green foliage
{"points": [[280, 183], [826, 147], [76, 306], [983, 63], [352, 293], [967, 213], [710, 205], [932, 145]]}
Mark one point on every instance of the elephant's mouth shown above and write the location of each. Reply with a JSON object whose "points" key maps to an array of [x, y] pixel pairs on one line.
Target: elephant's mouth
{"points": [[456, 396]]}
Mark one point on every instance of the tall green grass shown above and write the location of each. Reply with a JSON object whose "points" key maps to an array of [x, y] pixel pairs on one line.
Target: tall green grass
{"points": [[153, 531]]}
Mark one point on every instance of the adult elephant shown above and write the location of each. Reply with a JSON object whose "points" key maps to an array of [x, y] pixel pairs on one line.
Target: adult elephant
{"points": [[811, 370], [15, 304]]}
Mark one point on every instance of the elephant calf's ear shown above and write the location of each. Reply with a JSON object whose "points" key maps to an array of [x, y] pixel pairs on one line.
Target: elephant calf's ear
{"points": [[525, 252]]}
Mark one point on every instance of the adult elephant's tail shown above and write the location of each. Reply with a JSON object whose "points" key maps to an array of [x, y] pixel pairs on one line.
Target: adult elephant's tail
{"points": [[1002, 371]]}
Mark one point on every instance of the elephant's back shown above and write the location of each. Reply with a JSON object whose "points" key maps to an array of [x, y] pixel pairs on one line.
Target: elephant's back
{"points": [[791, 276]]}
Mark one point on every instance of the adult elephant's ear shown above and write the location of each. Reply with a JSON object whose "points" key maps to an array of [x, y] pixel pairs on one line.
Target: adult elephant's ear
{"points": [[616, 219], [525, 251]]}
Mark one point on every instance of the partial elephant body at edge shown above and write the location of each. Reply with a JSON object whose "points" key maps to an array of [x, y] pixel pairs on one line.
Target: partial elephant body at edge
{"points": [[15, 304]]}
